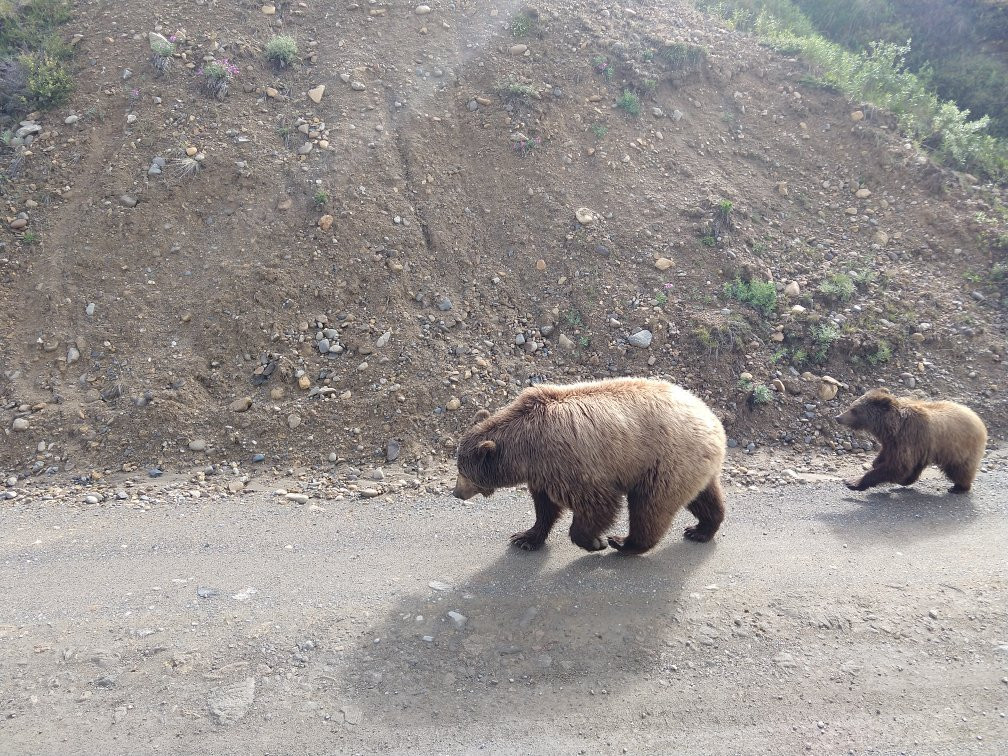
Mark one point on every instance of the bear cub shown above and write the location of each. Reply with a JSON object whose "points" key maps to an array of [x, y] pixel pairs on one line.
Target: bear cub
{"points": [[582, 447], [915, 434]]}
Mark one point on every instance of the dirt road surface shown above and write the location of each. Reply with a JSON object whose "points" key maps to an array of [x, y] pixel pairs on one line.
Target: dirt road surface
{"points": [[819, 621]]}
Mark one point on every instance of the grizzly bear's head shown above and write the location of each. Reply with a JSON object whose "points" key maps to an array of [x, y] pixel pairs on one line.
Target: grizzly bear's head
{"points": [[869, 411], [476, 460]]}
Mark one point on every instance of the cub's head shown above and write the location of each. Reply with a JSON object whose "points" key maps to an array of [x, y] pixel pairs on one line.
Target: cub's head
{"points": [[869, 411], [476, 454]]}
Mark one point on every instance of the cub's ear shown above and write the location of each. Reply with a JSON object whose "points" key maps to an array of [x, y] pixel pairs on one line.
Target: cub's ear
{"points": [[485, 447], [481, 415]]}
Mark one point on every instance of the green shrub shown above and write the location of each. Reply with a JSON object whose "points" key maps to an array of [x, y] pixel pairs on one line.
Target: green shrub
{"points": [[521, 25], [599, 130], [823, 337], [629, 103], [679, 55], [761, 295], [321, 198], [516, 90], [881, 355], [282, 50], [837, 286], [49, 80]]}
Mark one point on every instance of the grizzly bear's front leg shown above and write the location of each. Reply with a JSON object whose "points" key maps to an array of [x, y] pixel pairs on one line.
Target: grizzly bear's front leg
{"points": [[594, 514], [880, 473], [547, 512]]}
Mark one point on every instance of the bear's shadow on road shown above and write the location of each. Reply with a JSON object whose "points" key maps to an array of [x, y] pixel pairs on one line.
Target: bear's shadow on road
{"points": [[900, 514], [592, 622]]}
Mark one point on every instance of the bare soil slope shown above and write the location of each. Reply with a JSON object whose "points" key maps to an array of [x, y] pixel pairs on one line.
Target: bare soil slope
{"points": [[351, 278]]}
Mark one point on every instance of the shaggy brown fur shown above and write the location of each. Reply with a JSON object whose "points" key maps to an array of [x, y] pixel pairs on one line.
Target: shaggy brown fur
{"points": [[584, 446], [915, 434]]}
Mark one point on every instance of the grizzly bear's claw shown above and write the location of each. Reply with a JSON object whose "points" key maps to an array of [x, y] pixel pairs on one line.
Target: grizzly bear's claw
{"points": [[853, 485], [698, 535], [527, 540]]}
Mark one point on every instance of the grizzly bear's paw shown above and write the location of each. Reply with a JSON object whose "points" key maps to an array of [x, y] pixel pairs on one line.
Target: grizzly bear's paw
{"points": [[528, 540], [957, 489], [853, 485], [698, 534]]}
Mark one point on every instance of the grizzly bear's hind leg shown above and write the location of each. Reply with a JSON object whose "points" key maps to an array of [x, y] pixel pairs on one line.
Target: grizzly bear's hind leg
{"points": [[708, 507], [650, 517], [594, 514], [547, 512]]}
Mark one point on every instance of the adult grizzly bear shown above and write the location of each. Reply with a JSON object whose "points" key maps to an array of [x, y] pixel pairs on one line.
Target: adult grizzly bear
{"points": [[915, 434], [583, 446]]}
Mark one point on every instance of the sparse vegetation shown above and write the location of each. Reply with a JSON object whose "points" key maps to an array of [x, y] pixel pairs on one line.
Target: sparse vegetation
{"points": [[629, 103], [602, 66], [516, 90], [30, 237], [708, 240], [881, 354], [526, 146], [282, 51], [521, 25], [682, 56], [880, 76], [823, 337], [49, 80], [837, 287], [761, 295], [217, 76], [759, 393], [320, 198], [599, 130], [721, 335], [33, 71]]}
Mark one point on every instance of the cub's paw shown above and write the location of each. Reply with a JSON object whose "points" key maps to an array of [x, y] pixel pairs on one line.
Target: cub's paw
{"points": [[852, 484], [957, 489], [527, 540], [698, 535], [623, 545], [593, 543]]}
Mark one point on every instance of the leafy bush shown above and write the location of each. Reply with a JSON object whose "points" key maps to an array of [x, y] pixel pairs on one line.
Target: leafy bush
{"points": [[599, 130], [761, 295], [837, 286], [282, 50], [629, 103], [49, 80], [881, 355], [823, 337]]}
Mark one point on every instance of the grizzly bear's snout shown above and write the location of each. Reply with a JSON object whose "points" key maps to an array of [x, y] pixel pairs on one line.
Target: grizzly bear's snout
{"points": [[465, 489]]}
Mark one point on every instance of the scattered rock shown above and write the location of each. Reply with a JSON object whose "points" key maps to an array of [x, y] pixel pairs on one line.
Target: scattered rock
{"points": [[20, 425], [197, 445], [828, 388], [242, 404], [641, 339], [792, 289], [229, 703], [585, 216], [457, 619], [663, 263], [325, 222], [315, 93]]}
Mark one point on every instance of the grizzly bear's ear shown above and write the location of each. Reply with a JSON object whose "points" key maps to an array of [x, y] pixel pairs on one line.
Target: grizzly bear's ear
{"points": [[485, 447], [481, 415]]}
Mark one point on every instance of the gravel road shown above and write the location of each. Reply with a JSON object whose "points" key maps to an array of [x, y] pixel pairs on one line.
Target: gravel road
{"points": [[818, 621]]}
